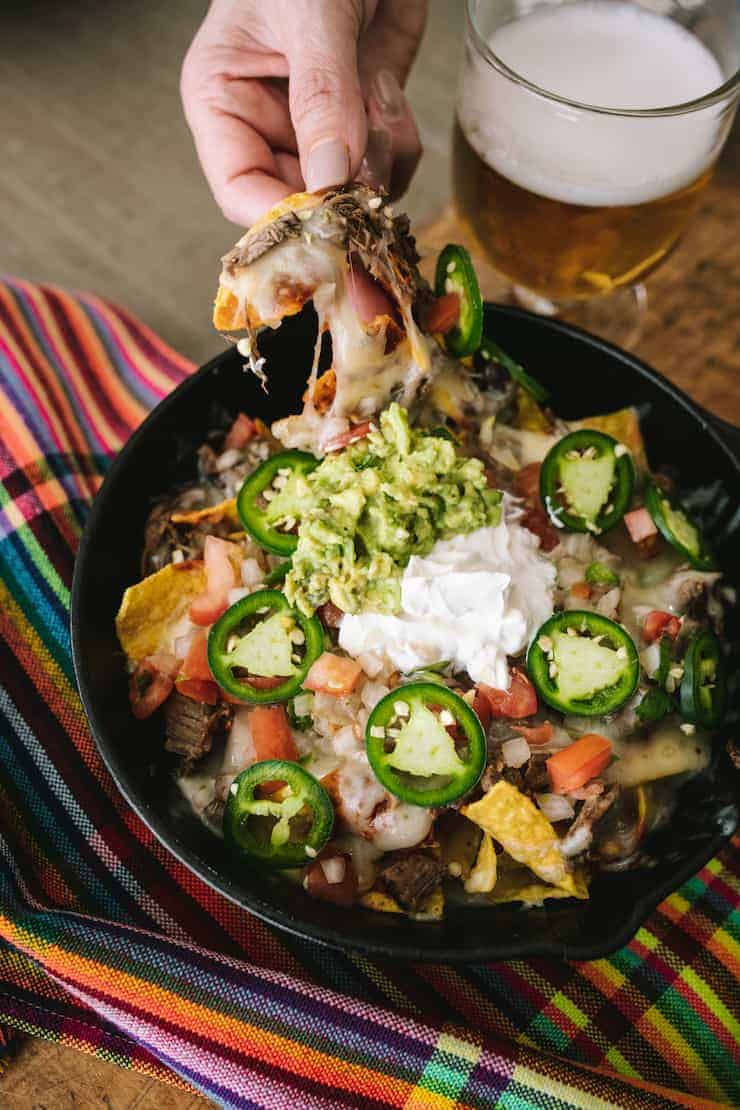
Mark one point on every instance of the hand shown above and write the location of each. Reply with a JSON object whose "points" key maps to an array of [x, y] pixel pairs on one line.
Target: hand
{"points": [[283, 95]]}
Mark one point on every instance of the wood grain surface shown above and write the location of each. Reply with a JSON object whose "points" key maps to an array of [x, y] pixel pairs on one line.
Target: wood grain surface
{"points": [[101, 190]]}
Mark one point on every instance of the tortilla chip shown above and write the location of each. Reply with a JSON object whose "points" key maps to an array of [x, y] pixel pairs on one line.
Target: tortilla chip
{"points": [[225, 510], [482, 878], [517, 884], [431, 910], [152, 607], [529, 415], [523, 831], [324, 391], [228, 314], [623, 425]]}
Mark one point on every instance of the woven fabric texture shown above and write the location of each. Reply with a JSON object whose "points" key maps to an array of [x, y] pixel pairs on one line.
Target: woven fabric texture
{"points": [[108, 944]]}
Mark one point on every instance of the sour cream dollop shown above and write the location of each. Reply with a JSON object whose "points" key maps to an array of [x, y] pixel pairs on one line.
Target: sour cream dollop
{"points": [[473, 600]]}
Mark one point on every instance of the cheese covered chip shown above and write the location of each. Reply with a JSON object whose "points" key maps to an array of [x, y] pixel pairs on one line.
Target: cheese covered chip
{"points": [[225, 510], [482, 878], [431, 909], [624, 426], [523, 831], [151, 609], [516, 883]]}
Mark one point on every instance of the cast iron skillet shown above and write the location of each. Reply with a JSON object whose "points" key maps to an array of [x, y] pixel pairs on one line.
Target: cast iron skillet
{"points": [[586, 376]]}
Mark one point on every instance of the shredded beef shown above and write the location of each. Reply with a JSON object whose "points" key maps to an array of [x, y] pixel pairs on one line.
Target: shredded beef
{"points": [[191, 725], [410, 877], [536, 778]]}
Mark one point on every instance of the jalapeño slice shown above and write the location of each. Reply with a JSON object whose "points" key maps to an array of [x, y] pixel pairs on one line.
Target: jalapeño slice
{"points": [[425, 744], [677, 527], [490, 351], [704, 685], [269, 502], [586, 482], [583, 664], [456, 274], [262, 648], [287, 823]]}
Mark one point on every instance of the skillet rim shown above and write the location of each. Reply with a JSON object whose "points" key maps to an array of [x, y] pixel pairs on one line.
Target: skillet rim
{"points": [[725, 436]]}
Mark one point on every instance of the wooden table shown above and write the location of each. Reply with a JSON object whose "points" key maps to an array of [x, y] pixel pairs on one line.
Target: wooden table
{"points": [[81, 209]]}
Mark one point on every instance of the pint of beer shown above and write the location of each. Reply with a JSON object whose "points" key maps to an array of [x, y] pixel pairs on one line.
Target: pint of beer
{"points": [[585, 134]]}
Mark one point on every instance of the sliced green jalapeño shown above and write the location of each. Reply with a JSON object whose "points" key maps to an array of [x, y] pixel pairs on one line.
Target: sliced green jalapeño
{"points": [[490, 351], [677, 527], [269, 502], [704, 685], [586, 482], [425, 744], [262, 648], [456, 274], [583, 664], [286, 823]]}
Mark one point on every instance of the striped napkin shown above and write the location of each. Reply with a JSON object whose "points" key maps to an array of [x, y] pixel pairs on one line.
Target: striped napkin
{"points": [[110, 945]]}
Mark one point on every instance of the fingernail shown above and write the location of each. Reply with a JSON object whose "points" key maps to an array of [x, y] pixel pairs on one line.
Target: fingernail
{"points": [[389, 95], [328, 164]]}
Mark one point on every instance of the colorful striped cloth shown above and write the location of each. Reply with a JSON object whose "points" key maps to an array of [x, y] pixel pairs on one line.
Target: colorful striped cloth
{"points": [[108, 944]]}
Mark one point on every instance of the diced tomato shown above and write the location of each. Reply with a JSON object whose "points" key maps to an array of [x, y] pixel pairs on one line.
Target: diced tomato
{"points": [[535, 518], [442, 314], [149, 687], [581, 590], [658, 623], [221, 562], [640, 525], [536, 734], [581, 761], [520, 700], [330, 615], [199, 689], [195, 664], [367, 297], [482, 707], [271, 734], [355, 433], [333, 674], [241, 431], [335, 865], [272, 739]]}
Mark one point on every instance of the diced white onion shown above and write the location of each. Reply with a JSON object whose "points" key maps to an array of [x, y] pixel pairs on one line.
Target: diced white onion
{"points": [[228, 459], [237, 593], [515, 752], [609, 603], [252, 573], [555, 807], [372, 692], [650, 658], [334, 869], [182, 645], [345, 741], [371, 664], [302, 704]]}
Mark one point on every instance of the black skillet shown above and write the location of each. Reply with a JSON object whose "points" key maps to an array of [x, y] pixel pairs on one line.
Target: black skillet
{"points": [[585, 376]]}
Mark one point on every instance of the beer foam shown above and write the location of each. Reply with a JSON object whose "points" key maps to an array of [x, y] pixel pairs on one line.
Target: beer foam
{"points": [[609, 54]]}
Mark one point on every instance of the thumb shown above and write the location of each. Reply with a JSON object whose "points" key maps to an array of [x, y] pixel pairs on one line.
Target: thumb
{"points": [[326, 103]]}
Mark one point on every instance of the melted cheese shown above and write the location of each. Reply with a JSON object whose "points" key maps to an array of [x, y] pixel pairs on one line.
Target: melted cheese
{"points": [[278, 284]]}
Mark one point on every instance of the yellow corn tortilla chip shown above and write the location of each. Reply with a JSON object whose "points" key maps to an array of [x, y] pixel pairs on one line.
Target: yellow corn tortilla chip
{"points": [[517, 884], [482, 878], [152, 607], [523, 831], [225, 510], [624, 426], [431, 910], [529, 415]]}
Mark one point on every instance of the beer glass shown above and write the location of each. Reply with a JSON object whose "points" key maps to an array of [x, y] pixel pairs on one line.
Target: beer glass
{"points": [[585, 133]]}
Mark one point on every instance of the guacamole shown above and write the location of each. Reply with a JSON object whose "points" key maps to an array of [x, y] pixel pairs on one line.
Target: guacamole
{"points": [[367, 509]]}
